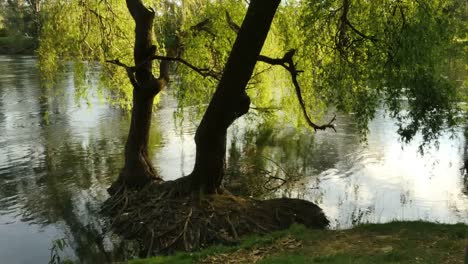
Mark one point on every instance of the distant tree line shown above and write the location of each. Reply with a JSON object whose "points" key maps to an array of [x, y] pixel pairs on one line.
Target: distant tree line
{"points": [[20, 23]]}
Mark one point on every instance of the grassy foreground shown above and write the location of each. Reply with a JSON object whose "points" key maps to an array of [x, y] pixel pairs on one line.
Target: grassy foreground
{"points": [[396, 242]]}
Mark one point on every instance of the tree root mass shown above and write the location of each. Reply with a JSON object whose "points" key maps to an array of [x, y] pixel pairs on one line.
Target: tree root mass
{"points": [[165, 217]]}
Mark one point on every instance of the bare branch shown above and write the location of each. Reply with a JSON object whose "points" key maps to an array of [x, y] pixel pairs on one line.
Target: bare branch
{"points": [[288, 63], [205, 72], [121, 64], [131, 69]]}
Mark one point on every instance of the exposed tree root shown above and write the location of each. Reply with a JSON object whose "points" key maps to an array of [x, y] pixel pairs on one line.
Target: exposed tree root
{"points": [[166, 217]]}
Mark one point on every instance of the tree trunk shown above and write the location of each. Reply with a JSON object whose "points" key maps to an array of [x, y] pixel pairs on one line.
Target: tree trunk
{"points": [[230, 100], [138, 170]]}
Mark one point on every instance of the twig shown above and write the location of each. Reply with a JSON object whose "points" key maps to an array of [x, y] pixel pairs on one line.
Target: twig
{"points": [[185, 229], [271, 177], [151, 244], [233, 228], [277, 165], [259, 226]]}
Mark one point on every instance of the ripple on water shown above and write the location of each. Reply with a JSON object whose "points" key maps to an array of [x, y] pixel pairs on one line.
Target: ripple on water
{"points": [[9, 204], [56, 173]]}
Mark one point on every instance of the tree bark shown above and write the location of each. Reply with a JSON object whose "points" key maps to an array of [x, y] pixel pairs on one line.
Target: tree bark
{"points": [[230, 100], [138, 170]]}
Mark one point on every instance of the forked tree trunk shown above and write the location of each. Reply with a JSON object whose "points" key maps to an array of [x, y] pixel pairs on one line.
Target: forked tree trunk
{"points": [[138, 170], [230, 100]]}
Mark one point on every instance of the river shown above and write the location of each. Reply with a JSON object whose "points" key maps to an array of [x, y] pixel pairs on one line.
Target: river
{"points": [[58, 154]]}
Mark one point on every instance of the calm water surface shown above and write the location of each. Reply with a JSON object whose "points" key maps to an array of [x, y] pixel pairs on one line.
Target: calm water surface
{"points": [[58, 155]]}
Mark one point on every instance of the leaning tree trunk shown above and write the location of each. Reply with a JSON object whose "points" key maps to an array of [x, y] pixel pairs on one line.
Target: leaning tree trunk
{"points": [[230, 100], [138, 170]]}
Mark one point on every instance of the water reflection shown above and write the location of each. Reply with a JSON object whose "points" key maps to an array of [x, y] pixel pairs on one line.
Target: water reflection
{"points": [[55, 161], [380, 181], [286, 157], [464, 169], [58, 155]]}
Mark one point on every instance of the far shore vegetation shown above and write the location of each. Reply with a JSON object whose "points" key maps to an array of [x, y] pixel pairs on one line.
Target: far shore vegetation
{"points": [[19, 26]]}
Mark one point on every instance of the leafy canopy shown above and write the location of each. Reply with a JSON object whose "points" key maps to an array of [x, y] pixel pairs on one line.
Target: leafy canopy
{"points": [[355, 55]]}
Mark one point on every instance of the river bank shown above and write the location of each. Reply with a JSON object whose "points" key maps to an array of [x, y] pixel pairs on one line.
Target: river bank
{"points": [[59, 155], [10, 45], [394, 242]]}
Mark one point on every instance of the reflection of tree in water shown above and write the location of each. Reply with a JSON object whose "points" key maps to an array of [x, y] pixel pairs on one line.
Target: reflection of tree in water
{"points": [[57, 172], [65, 192], [271, 161], [73, 177], [465, 162]]}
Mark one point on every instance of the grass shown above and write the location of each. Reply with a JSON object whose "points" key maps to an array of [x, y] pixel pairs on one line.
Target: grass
{"points": [[395, 242]]}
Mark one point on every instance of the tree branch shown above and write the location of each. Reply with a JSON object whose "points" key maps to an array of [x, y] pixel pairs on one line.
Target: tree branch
{"points": [[371, 38], [288, 63], [203, 26], [265, 109], [341, 38], [205, 72], [130, 71], [231, 23]]}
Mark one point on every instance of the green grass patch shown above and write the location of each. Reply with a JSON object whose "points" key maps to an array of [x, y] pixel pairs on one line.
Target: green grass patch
{"points": [[395, 242]]}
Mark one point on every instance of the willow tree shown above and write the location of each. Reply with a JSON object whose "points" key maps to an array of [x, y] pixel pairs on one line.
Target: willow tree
{"points": [[349, 54]]}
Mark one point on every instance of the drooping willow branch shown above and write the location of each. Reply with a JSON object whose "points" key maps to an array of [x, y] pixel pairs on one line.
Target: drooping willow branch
{"points": [[288, 63], [342, 40]]}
